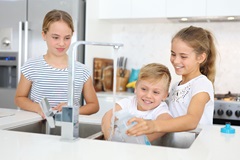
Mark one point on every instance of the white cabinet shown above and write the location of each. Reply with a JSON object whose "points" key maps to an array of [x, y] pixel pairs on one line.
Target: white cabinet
{"points": [[128, 9], [223, 7], [135, 9], [114, 9], [202, 8], [185, 8], [148, 8]]}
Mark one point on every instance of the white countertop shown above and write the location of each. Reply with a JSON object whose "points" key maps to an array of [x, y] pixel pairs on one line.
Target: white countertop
{"points": [[11, 118], [210, 144], [117, 94]]}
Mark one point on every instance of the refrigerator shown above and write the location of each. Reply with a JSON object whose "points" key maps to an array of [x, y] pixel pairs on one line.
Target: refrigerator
{"points": [[21, 37]]}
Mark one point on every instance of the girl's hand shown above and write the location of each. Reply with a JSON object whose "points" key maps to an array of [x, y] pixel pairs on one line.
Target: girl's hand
{"points": [[40, 112], [59, 106], [142, 127]]}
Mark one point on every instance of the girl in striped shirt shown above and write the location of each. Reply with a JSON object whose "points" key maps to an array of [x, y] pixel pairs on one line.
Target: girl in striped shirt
{"points": [[47, 75]]}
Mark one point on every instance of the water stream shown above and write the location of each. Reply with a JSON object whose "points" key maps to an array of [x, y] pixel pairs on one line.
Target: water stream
{"points": [[115, 56]]}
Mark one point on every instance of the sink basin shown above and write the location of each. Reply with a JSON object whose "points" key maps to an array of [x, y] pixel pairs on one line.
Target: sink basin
{"points": [[85, 129], [174, 140]]}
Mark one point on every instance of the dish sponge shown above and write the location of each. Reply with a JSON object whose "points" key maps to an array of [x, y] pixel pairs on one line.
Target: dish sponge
{"points": [[131, 84]]}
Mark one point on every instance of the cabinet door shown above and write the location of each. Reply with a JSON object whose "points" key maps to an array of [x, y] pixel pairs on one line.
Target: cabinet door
{"points": [[148, 8], [114, 9], [223, 7], [186, 8]]}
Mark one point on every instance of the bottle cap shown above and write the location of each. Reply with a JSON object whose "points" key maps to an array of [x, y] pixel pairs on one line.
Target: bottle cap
{"points": [[228, 129]]}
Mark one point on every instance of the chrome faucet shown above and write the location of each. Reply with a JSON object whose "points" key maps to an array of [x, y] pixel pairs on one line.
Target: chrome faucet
{"points": [[68, 118]]}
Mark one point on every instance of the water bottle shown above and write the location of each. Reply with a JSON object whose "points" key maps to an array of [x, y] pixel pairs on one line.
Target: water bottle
{"points": [[121, 128]]}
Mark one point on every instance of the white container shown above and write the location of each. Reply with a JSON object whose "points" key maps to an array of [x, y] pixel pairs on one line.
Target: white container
{"points": [[121, 128]]}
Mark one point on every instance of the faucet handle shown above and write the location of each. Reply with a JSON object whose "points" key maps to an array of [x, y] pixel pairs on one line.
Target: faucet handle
{"points": [[47, 112]]}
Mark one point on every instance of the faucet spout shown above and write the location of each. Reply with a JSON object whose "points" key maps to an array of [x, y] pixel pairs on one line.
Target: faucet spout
{"points": [[71, 64]]}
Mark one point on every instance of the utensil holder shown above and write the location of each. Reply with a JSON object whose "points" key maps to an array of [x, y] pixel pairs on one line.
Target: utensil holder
{"points": [[121, 84]]}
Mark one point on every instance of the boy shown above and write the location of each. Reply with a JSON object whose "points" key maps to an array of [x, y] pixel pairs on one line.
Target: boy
{"points": [[148, 103]]}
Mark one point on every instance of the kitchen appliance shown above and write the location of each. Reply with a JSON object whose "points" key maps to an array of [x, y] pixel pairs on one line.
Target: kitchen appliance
{"points": [[21, 35], [8, 80], [227, 109], [8, 67], [5, 38]]}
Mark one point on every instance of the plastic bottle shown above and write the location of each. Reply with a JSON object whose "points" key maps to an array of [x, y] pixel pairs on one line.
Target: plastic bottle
{"points": [[228, 129], [121, 127]]}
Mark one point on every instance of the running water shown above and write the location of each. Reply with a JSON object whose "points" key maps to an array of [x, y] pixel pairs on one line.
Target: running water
{"points": [[115, 56]]}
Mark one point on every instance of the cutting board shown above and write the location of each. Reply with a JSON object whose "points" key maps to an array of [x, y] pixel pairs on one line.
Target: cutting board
{"points": [[99, 64]]}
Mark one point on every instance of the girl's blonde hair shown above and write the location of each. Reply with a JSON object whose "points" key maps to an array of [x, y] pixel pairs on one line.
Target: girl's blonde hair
{"points": [[201, 41], [54, 16]]}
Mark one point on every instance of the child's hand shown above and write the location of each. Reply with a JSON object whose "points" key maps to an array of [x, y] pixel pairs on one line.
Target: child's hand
{"points": [[59, 106], [40, 112], [142, 127]]}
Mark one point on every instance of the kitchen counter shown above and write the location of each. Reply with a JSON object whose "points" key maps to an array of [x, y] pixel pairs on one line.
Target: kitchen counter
{"points": [[15, 117], [10, 118], [209, 145], [118, 94]]}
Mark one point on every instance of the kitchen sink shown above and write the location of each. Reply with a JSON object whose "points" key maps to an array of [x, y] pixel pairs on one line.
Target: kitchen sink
{"points": [[175, 140], [93, 131], [85, 129]]}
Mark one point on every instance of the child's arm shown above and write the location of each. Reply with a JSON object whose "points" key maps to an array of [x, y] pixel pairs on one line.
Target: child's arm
{"points": [[106, 122], [21, 97], [153, 136], [90, 97], [183, 123]]}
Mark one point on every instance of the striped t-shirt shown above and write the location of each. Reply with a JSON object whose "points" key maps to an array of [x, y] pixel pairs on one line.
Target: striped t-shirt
{"points": [[52, 83]]}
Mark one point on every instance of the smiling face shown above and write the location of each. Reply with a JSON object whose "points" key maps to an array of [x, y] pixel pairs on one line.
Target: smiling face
{"points": [[184, 60], [58, 38], [150, 93]]}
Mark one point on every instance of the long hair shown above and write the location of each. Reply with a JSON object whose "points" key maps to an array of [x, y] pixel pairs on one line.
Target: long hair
{"points": [[202, 41]]}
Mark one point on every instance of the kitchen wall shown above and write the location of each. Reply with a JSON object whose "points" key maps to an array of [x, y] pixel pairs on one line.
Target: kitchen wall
{"points": [[150, 42], [147, 41]]}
